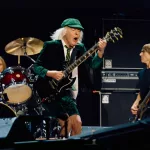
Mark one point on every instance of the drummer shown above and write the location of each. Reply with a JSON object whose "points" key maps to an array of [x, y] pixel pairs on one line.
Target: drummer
{"points": [[2, 64], [2, 68]]}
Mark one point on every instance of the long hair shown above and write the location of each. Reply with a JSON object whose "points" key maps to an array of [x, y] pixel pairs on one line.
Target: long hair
{"points": [[3, 63], [59, 34]]}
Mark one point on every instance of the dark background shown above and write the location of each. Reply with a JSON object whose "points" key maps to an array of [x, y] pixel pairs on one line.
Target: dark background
{"points": [[40, 19]]}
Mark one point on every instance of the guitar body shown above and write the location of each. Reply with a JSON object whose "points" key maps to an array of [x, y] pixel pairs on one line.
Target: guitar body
{"points": [[52, 88], [140, 113]]}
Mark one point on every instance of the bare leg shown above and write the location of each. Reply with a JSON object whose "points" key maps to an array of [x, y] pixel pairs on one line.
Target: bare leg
{"points": [[74, 125]]}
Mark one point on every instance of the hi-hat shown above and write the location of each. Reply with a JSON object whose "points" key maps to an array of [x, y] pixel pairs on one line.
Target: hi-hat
{"points": [[24, 46]]}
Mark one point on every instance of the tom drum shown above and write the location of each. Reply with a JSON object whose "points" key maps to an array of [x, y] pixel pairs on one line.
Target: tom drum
{"points": [[15, 85]]}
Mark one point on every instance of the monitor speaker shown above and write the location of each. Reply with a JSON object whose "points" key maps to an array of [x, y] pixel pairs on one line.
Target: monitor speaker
{"points": [[14, 130]]}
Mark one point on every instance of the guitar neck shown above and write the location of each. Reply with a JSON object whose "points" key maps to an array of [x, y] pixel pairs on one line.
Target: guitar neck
{"points": [[81, 59], [144, 102], [108, 37]]}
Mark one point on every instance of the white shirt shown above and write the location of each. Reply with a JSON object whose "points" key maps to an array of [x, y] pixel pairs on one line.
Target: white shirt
{"points": [[74, 73]]}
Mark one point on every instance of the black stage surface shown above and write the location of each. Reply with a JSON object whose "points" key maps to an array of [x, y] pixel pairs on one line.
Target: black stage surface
{"points": [[15, 135]]}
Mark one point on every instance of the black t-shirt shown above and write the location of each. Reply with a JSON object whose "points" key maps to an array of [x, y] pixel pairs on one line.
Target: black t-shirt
{"points": [[144, 82]]}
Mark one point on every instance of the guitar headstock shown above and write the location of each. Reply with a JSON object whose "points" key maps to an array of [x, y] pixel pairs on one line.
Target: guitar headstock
{"points": [[114, 34]]}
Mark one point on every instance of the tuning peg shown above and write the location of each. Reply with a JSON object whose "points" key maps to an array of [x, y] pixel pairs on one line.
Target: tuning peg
{"points": [[112, 39], [116, 37], [118, 30], [121, 36], [107, 36]]}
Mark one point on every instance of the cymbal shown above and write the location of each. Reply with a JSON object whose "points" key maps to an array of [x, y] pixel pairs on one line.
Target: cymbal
{"points": [[24, 46]]}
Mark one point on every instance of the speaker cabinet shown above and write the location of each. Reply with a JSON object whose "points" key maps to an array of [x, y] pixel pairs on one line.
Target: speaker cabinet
{"points": [[115, 107]]}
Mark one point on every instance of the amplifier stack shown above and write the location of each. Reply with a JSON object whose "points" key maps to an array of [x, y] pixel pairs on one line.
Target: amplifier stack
{"points": [[118, 92]]}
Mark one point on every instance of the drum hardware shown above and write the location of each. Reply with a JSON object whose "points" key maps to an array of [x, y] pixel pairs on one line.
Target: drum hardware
{"points": [[56, 131], [40, 131], [20, 109], [53, 129], [24, 81], [13, 81], [31, 75], [30, 72], [30, 68], [39, 128], [40, 108], [30, 59]]}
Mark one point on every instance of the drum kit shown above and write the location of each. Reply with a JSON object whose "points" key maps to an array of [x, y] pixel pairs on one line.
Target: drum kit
{"points": [[18, 95], [16, 81]]}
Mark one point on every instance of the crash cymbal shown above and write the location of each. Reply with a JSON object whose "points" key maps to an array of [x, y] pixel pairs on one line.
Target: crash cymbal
{"points": [[24, 46]]}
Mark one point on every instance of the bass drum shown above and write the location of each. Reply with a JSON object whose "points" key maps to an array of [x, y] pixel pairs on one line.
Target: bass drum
{"points": [[6, 111]]}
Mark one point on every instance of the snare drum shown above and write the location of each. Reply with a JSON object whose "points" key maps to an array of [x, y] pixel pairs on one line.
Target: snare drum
{"points": [[15, 85], [6, 111]]}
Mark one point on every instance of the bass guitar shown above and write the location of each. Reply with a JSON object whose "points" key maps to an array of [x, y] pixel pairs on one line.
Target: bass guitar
{"points": [[56, 87], [141, 108]]}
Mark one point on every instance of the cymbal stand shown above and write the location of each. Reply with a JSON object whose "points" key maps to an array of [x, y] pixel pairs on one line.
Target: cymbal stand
{"points": [[40, 131], [18, 60], [24, 48], [30, 75], [1, 89]]}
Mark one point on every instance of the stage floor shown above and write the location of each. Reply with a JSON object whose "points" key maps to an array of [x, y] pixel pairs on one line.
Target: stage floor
{"points": [[13, 136], [6, 125]]}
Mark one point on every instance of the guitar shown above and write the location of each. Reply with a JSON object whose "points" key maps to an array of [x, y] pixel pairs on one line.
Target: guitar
{"points": [[142, 108], [56, 87]]}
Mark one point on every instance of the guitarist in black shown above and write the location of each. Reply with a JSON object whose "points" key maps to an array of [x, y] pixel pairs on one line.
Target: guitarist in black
{"points": [[140, 107], [51, 65]]}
